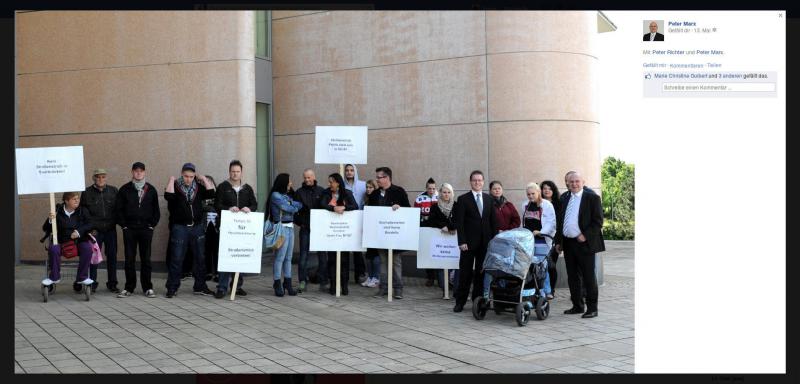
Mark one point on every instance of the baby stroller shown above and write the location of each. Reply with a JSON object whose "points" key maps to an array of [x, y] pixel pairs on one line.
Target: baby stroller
{"points": [[68, 273], [519, 269]]}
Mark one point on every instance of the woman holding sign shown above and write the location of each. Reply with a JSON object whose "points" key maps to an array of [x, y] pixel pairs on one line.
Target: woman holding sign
{"points": [[281, 211], [338, 199], [72, 226], [441, 216]]}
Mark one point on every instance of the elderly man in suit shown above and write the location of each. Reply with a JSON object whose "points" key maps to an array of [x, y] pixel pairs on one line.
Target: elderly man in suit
{"points": [[476, 224], [579, 234], [653, 35]]}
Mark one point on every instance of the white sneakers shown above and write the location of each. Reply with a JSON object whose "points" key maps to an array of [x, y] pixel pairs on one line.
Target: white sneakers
{"points": [[47, 281], [371, 282], [150, 293], [88, 281], [124, 293]]}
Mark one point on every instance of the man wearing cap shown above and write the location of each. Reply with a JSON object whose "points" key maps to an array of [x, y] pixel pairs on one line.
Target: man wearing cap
{"points": [[186, 218], [99, 200], [138, 215]]}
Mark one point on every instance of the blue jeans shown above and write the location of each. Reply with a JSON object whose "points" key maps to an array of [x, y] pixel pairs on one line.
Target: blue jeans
{"points": [[302, 264], [108, 241], [181, 238], [283, 256], [374, 267], [225, 281]]}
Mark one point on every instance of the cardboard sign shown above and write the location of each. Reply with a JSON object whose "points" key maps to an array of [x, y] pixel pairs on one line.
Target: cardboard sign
{"points": [[340, 145], [331, 231], [240, 241], [437, 249], [388, 229], [50, 169]]}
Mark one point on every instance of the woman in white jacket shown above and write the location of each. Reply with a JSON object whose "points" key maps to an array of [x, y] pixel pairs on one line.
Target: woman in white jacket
{"points": [[539, 217]]}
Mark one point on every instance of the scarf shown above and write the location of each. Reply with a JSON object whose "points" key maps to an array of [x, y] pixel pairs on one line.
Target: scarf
{"points": [[139, 185], [499, 201], [188, 190], [446, 207]]}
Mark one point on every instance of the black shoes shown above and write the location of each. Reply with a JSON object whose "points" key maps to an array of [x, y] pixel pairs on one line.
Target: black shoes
{"points": [[573, 311], [459, 307], [345, 290], [204, 292], [278, 288], [589, 314], [287, 286], [171, 294], [240, 292], [219, 294], [398, 293]]}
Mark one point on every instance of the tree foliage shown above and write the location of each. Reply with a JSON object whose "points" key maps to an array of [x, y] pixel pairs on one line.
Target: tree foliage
{"points": [[618, 191]]}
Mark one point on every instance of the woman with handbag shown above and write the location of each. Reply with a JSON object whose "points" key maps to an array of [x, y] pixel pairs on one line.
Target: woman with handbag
{"points": [[73, 227], [338, 199], [281, 213]]}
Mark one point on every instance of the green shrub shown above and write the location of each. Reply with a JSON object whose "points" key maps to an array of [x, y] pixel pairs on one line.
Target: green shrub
{"points": [[618, 230]]}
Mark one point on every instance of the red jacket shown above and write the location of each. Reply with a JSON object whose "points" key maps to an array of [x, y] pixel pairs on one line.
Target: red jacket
{"points": [[507, 217]]}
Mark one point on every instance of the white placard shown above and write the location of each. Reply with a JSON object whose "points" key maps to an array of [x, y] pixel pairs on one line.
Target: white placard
{"points": [[331, 231], [50, 169], [388, 229], [340, 145], [437, 249], [241, 236]]}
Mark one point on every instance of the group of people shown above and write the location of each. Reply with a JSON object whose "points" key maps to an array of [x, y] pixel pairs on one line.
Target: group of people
{"points": [[570, 222]]}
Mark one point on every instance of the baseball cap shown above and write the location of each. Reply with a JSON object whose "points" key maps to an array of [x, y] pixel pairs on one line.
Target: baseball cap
{"points": [[99, 171], [138, 164]]}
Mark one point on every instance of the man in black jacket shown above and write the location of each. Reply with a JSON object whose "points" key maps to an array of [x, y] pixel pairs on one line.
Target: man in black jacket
{"points": [[389, 195], [138, 214], [235, 196], [186, 221], [99, 200], [579, 233], [309, 194], [475, 224]]}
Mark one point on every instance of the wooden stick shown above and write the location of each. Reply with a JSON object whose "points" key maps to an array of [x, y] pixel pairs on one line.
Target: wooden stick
{"points": [[389, 287], [53, 209], [235, 283], [339, 253]]}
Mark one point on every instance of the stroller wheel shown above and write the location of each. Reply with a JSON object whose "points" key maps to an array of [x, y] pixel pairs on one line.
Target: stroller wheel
{"points": [[523, 314], [87, 292], [479, 307], [46, 291], [542, 308]]}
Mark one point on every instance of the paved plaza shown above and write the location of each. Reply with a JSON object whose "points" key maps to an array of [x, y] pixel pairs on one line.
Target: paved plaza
{"points": [[315, 332]]}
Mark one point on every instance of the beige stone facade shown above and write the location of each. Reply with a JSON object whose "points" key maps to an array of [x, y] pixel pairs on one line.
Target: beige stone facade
{"points": [[163, 88], [443, 93]]}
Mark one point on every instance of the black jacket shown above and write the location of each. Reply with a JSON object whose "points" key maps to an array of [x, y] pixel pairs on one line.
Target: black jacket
{"points": [[227, 197], [349, 201], [309, 196], [183, 211], [590, 220], [473, 229], [394, 195], [437, 219], [101, 206], [79, 221], [134, 215]]}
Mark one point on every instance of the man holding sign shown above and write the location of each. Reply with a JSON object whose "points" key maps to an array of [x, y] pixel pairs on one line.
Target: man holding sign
{"points": [[389, 195]]}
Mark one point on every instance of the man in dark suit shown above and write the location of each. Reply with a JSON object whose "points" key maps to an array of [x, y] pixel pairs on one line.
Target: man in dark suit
{"points": [[653, 35], [579, 234], [476, 225]]}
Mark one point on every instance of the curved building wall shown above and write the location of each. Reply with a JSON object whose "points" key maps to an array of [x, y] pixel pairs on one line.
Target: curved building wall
{"points": [[163, 88], [443, 93]]}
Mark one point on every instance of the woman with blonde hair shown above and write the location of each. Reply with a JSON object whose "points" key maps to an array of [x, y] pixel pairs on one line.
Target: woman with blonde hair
{"points": [[539, 217]]}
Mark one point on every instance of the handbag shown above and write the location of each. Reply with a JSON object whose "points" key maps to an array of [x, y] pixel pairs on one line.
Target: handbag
{"points": [[69, 249], [97, 253], [273, 234]]}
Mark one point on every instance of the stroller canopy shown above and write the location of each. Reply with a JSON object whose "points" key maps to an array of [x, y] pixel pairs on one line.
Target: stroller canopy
{"points": [[510, 252]]}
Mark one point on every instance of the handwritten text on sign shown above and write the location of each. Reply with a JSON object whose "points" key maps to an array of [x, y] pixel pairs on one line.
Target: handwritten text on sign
{"points": [[49, 169], [334, 232], [240, 241], [388, 229], [437, 249]]}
